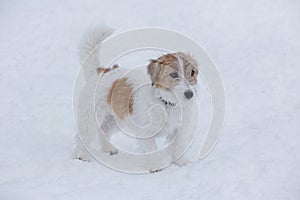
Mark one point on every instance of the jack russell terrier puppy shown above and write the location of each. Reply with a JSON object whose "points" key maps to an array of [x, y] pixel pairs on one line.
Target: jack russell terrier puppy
{"points": [[123, 99]]}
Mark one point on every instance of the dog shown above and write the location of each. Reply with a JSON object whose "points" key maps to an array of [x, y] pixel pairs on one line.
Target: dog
{"points": [[145, 102]]}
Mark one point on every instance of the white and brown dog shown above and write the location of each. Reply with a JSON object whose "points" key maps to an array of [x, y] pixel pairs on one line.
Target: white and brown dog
{"points": [[123, 99]]}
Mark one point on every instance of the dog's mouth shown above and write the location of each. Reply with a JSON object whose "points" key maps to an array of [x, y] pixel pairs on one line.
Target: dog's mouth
{"points": [[171, 97]]}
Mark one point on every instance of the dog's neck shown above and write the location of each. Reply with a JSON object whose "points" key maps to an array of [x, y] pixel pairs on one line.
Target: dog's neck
{"points": [[166, 102]]}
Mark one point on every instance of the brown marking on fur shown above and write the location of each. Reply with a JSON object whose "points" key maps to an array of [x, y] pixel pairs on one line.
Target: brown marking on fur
{"points": [[160, 69], [190, 64], [115, 66], [102, 69], [165, 80], [157, 69], [105, 70], [120, 98], [188, 58], [168, 60]]}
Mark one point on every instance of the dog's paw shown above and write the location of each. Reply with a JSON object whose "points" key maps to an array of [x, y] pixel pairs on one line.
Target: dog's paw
{"points": [[113, 152], [154, 170], [109, 149], [81, 157], [81, 154], [181, 162]]}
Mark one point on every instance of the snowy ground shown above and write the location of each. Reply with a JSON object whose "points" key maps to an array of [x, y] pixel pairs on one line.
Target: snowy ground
{"points": [[256, 46]]}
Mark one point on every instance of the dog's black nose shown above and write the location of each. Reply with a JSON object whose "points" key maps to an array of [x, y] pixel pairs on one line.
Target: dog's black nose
{"points": [[188, 94]]}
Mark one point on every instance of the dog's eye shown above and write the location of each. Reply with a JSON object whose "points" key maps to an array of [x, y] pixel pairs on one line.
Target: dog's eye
{"points": [[192, 72], [174, 75]]}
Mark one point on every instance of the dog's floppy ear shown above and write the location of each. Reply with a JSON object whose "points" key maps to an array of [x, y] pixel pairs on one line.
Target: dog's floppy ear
{"points": [[154, 70]]}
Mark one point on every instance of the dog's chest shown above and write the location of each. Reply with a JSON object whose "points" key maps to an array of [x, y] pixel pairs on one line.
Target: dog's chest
{"points": [[173, 121], [152, 111]]}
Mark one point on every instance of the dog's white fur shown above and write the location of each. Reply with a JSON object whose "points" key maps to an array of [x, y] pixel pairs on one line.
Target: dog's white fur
{"points": [[165, 118]]}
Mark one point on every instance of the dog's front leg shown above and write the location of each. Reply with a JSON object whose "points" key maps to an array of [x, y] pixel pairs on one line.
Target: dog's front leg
{"points": [[185, 136]]}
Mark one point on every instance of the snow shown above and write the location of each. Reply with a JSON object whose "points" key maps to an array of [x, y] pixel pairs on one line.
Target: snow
{"points": [[256, 46]]}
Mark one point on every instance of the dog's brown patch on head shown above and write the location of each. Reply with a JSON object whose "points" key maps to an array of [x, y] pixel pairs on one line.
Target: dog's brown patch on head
{"points": [[107, 69], [169, 60], [190, 68], [160, 70], [120, 98]]}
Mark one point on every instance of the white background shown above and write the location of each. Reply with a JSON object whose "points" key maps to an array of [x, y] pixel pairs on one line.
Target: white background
{"points": [[256, 46]]}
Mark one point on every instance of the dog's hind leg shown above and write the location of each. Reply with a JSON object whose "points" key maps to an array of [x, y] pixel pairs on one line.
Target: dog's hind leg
{"points": [[105, 132], [81, 152], [87, 133]]}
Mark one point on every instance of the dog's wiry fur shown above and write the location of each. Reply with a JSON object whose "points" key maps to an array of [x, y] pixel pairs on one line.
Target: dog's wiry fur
{"points": [[120, 99]]}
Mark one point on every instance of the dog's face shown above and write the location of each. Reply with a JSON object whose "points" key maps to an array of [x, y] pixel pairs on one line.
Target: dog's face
{"points": [[173, 76]]}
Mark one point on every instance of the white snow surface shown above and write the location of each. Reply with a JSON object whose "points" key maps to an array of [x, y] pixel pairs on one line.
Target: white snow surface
{"points": [[256, 46]]}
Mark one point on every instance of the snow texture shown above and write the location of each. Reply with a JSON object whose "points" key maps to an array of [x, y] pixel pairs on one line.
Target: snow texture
{"points": [[256, 46]]}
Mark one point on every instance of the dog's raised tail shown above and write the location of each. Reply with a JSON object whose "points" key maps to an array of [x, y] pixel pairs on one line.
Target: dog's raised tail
{"points": [[89, 49]]}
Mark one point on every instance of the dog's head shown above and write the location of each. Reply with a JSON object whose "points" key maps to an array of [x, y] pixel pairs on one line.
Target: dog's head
{"points": [[173, 76]]}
